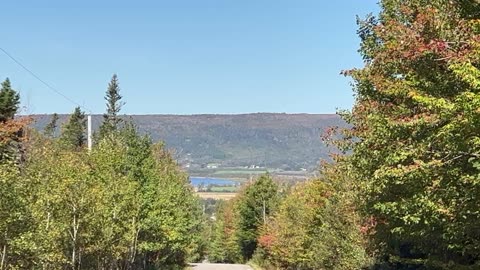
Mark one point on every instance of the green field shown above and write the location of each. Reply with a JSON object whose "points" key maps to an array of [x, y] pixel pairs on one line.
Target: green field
{"points": [[224, 189]]}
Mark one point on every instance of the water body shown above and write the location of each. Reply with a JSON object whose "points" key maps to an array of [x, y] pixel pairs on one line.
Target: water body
{"points": [[196, 181]]}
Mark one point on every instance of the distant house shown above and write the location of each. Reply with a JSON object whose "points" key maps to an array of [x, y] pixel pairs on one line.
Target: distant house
{"points": [[213, 166]]}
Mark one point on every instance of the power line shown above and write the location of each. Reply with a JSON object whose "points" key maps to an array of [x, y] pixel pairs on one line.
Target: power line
{"points": [[42, 81]]}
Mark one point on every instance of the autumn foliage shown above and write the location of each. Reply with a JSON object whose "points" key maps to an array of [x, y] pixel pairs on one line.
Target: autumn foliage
{"points": [[414, 140]]}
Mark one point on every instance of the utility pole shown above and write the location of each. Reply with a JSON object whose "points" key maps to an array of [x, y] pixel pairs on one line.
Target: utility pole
{"points": [[89, 132], [264, 214]]}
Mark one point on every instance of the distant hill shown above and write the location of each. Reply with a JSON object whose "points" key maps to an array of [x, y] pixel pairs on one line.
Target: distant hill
{"points": [[285, 141]]}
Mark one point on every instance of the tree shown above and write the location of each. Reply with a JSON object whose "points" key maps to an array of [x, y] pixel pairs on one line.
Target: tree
{"points": [[11, 130], [224, 247], [62, 199], [111, 120], [414, 141], [15, 218], [73, 133], [9, 101], [51, 127], [123, 205], [256, 202], [149, 215], [316, 226]]}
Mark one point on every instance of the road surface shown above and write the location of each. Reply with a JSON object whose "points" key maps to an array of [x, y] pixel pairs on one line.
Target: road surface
{"points": [[214, 266]]}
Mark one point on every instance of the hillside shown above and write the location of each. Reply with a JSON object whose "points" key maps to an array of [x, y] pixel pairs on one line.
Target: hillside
{"points": [[284, 141]]}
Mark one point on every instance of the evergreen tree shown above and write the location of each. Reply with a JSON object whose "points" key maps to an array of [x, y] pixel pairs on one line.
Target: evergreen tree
{"points": [[111, 120], [9, 101], [73, 134], [51, 127]]}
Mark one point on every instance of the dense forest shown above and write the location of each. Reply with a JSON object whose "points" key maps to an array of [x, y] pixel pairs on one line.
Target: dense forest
{"points": [[401, 192], [122, 205]]}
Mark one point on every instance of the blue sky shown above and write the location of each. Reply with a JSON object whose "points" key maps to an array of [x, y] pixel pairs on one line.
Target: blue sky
{"points": [[184, 56]]}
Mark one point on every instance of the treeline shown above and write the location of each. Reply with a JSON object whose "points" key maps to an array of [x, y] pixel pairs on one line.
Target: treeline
{"points": [[123, 205], [404, 193], [312, 225]]}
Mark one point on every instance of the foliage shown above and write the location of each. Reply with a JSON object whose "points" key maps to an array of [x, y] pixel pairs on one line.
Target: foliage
{"points": [[415, 138], [9, 101], [73, 134], [14, 217], [11, 136], [111, 120], [316, 227], [123, 205], [224, 247], [11, 130], [51, 128], [255, 203]]}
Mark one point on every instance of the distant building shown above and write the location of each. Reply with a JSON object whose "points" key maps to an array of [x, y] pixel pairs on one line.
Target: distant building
{"points": [[213, 166]]}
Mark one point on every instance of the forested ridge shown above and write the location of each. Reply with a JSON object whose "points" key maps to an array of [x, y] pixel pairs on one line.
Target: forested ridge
{"points": [[286, 141], [401, 191]]}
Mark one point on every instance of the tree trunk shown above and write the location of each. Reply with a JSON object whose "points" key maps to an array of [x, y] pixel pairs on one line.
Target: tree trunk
{"points": [[48, 221], [80, 259], [74, 240], [4, 256], [4, 251], [132, 259]]}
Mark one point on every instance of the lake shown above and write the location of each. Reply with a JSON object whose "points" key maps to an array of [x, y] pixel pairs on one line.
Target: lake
{"points": [[196, 181]]}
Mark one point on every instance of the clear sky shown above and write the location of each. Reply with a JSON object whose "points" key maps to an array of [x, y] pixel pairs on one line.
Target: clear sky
{"points": [[184, 56]]}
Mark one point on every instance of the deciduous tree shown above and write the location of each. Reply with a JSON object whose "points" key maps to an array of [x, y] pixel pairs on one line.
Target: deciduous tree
{"points": [[256, 202], [415, 131]]}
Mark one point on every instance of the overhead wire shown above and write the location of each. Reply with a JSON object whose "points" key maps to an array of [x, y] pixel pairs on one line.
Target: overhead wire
{"points": [[43, 81]]}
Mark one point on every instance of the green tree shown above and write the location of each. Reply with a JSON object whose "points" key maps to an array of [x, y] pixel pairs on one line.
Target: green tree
{"points": [[149, 214], [14, 213], [9, 101], [73, 133], [224, 247], [11, 130], [14, 218], [111, 119], [62, 198], [51, 127], [123, 205], [172, 215], [316, 226], [256, 202], [117, 224], [415, 138]]}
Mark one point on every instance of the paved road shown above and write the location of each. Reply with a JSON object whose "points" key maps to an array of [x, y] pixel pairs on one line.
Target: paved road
{"points": [[213, 266]]}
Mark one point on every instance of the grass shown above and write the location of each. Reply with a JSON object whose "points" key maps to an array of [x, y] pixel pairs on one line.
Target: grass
{"points": [[224, 189]]}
